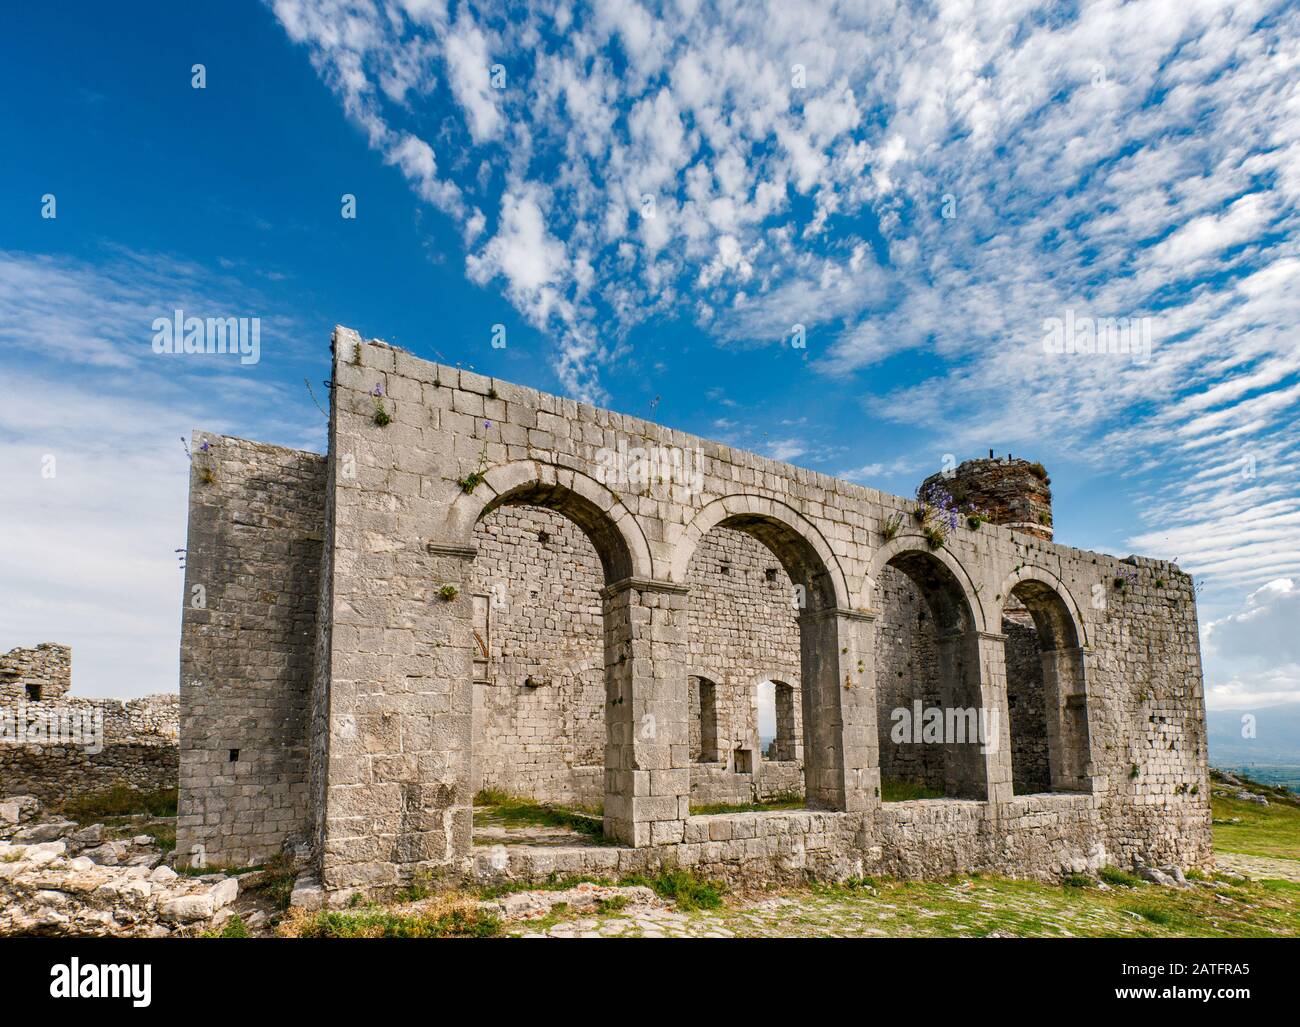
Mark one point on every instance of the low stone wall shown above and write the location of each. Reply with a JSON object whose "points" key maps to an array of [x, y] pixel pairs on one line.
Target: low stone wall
{"points": [[77, 745], [1037, 837]]}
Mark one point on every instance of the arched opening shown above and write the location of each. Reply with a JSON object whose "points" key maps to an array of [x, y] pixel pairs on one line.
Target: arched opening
{"points": [[704, 720], [777, 721], [753, 581], [1046, 697], [537, 760], [931, 720]]}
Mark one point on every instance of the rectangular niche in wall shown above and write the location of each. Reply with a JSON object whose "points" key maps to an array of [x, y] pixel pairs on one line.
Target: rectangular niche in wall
{"points": [[482, 640], [744, 761]]}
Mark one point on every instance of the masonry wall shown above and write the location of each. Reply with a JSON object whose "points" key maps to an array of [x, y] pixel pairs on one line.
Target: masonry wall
{"points": [[41, 673], [252, 572], [72, 746], [539, 695], [395, 740]]}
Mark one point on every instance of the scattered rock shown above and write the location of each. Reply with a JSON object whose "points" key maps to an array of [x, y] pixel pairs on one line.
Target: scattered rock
{"points": [[18, 809], [46, 832], [532, 905], [307, 894], [1246, 796], [186, 909], [92, 835]]}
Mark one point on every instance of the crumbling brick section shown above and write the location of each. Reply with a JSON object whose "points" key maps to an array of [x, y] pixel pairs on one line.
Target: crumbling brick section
{"points": [[1010, 491], [247, 634], [36, 675]]}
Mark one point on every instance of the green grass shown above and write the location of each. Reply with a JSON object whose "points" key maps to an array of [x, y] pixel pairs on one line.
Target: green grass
{"points": [[894, 790], [497, 808], [276, 883], [120, 801], [1118, 878], [1272, 830], [233, 928], [682, 887], [445, 921], [778, 802]]}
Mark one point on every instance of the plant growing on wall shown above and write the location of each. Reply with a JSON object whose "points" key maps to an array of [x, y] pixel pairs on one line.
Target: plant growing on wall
{"points": [[202, 468], [935, 535], [475, 478], [382, 417], [448, 592], [892, 526]]}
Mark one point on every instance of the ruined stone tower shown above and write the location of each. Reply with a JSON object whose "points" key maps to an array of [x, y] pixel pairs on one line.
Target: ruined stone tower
{"points": [[36, 675], [1012, 492]]}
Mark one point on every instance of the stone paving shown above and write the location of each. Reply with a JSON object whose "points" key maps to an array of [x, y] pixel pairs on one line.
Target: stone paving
{"points": [[1262, 868]]}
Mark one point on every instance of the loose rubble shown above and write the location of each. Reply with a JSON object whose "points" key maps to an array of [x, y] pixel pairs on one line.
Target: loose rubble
{"points": [[57, 878]]}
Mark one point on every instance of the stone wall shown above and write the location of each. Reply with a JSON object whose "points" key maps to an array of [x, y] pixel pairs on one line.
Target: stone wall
{"points": [[539, 695], [252, 576], [72, 746], [410, 507], [35, 675]]}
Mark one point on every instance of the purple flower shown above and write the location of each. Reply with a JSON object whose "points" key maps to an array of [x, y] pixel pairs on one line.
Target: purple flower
{"points": [[379, 390], [204, 447], [487, 424]]}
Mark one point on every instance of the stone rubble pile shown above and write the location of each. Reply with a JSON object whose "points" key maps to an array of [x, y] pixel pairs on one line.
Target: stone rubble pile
{"points": [[59, 879], [582, 898]]}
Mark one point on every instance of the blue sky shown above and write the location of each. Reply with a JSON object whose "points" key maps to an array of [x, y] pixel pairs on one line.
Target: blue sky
{"points": [[649, 200]]}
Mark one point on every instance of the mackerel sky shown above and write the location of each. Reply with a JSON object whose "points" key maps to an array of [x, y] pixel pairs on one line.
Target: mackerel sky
{"points": [[650, 200]]}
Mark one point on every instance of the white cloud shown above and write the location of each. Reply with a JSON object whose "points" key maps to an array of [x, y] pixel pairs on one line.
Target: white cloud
{"points": [[88, 552], [1252, 657]]}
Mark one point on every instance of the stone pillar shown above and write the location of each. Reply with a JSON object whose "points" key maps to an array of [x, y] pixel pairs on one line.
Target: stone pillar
{"points": [[841, 747], [647, 713], [1066, 699], [991, 664], [400, 721]]}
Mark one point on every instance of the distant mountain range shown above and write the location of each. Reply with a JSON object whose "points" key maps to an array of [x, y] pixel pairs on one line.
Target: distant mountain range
{"points": [[1272, 756]]}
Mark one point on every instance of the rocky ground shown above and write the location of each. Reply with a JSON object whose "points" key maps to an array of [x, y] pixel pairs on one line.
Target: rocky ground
{"points": [[85, 876], [58, 877]]}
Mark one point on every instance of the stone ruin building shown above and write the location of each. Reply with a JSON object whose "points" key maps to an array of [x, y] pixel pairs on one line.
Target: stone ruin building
{"points": [[54, 745], [482, 586], [35, 675]]}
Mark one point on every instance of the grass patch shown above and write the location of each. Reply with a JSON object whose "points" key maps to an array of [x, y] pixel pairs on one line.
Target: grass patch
{"points": [[684, 888], [233, 928], [895, 790], [276, 883], [448, 917], [497, 808], [120, 801], [778, 802], [1078, 881], [1118, 878], [1256, 830]]}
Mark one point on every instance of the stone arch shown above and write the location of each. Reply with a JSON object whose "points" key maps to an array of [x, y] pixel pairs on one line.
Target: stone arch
{"points": [[613, 530], [1047, 695], [1049, 599], [949, 587], [799, 546], [928, 666]]}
